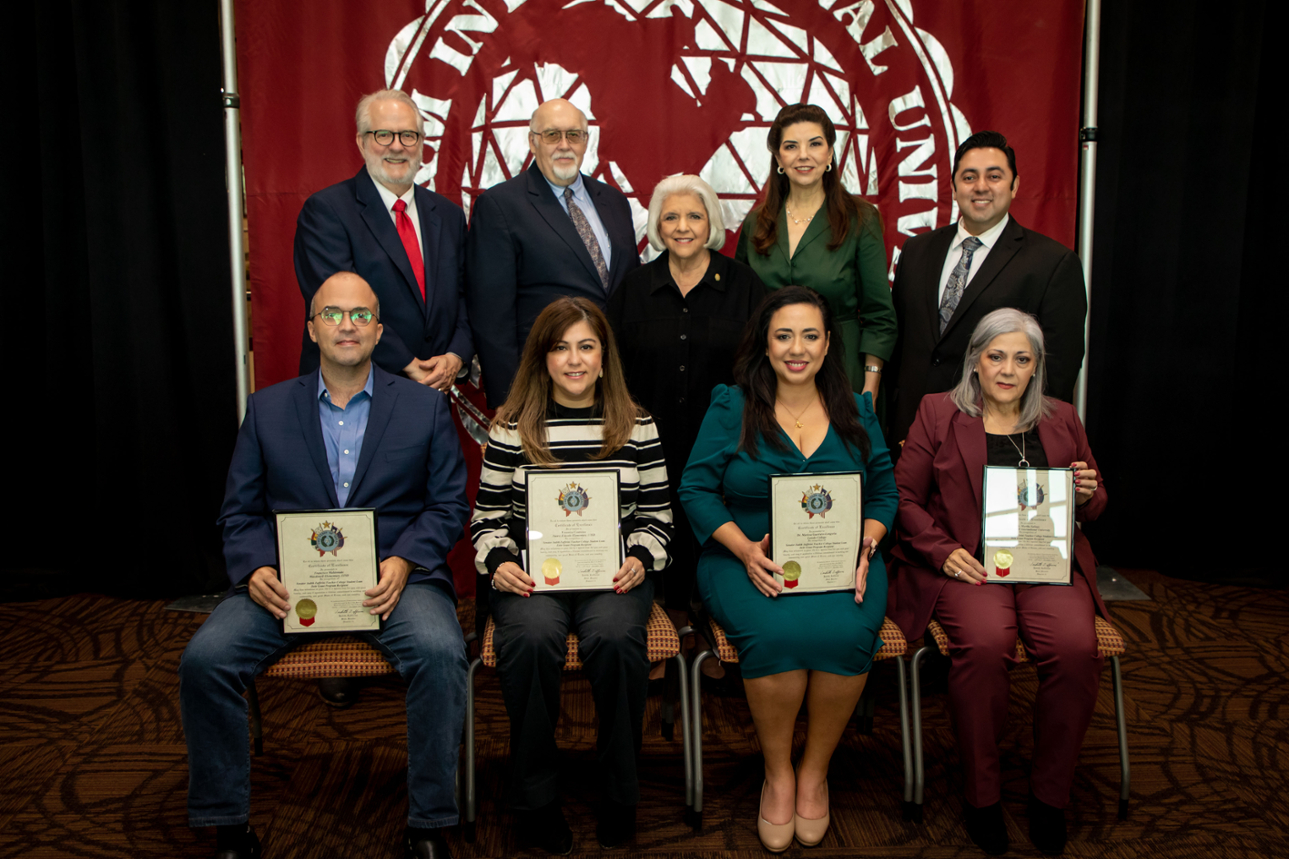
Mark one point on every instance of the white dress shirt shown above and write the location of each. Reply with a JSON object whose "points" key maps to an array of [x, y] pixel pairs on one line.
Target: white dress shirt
{"points": [[390, 198], [583, 199], [987, 240]]}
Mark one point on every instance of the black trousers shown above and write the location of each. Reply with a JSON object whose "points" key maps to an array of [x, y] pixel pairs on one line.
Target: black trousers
{"points": [[530, 639]]}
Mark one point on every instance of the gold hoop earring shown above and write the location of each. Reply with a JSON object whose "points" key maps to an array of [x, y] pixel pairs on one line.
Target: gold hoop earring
{"points": [[780, 169], [828, 169]]}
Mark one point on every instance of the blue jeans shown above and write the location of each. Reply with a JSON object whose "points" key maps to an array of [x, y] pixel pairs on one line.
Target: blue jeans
{"points": [[422, 640]]}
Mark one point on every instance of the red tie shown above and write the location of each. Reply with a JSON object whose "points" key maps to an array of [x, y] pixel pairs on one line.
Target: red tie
{"points": [[407, 233]]}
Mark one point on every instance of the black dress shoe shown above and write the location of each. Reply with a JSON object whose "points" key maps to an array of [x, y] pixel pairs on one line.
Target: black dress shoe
{"points": [[616, 826], [1046, 826], [425, 844], [986, 827], [236, 842], [546, 829], [339, 692]]}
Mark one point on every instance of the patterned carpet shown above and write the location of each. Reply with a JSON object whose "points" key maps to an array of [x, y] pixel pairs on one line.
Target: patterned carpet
{"points": [[94, 763]]}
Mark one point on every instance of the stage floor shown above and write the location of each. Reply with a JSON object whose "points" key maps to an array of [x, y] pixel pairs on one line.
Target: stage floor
{"points": [[95, 765]]}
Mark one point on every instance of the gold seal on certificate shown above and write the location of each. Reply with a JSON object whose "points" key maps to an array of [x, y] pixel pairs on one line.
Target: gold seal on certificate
{"points": [[1028, 525], [574, 526], [816, 529], [327, 559]]}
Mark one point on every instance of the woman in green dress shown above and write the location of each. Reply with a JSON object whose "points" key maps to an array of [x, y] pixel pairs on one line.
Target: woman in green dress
{"points": [[810, 230], [792, 412]]}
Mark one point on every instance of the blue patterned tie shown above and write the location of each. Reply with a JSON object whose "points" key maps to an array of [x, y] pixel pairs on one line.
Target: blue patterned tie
{"points": [[957, 281], [583, 227]]}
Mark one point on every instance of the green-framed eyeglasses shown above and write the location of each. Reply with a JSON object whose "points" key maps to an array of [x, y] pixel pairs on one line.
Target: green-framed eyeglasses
{"points": [[360, 316]]}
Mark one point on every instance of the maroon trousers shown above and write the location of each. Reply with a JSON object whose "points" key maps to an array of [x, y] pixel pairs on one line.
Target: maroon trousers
{"points": [[1056, 624]]}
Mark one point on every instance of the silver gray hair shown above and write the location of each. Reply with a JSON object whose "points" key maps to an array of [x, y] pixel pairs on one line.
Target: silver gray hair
{"points": [[967, 396], [685, 183], [362, 116]]}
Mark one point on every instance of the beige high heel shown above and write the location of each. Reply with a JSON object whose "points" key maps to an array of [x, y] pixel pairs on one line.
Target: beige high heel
{"points": [[775, 837], [810, 831]]}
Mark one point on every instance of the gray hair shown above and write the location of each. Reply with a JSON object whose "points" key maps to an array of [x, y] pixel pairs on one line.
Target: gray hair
{"points": [[362, 116], [686, 184], [967, 396]]}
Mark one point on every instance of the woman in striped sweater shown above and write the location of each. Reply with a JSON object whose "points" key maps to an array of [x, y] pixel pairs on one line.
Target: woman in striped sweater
{"points": [[569, 407]]}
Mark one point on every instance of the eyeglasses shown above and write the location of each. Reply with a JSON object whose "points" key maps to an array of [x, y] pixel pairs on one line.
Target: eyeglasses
{"points": [[551, 136], [332, 316], [385, 137]]}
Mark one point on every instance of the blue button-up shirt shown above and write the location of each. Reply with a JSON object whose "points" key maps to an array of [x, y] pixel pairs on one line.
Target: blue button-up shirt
{"points": [[342, 433], [583, 199]]}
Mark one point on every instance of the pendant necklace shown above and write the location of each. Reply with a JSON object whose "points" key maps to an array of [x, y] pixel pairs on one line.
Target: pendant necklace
{"points": [[800, 221], [797, 418], [1024, 463]]}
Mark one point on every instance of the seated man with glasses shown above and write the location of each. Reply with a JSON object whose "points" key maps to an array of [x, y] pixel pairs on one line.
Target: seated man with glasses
{"points": [[406, 241], [548, 232], [347, 435]]}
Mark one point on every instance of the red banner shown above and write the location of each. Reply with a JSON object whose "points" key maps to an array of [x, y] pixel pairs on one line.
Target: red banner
{"points": [[670, 85]]}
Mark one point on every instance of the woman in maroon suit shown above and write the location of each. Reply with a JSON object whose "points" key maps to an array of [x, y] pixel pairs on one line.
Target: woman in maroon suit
{"points": [[997, 415]]}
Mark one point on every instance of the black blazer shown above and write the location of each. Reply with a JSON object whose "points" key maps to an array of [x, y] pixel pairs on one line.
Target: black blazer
{"points": [[346, 228], [522, 253], [1025, 270]]}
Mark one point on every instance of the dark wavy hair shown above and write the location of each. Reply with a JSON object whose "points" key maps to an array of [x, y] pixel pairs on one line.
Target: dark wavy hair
{"points": [[754, 374], [840, 204]]}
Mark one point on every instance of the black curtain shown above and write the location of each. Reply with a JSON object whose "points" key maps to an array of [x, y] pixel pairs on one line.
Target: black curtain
{"points": [[123, 394], [1186, 308]]}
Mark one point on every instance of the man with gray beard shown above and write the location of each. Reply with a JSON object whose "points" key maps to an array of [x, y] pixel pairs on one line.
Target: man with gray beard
{"points": [[549, 231]]}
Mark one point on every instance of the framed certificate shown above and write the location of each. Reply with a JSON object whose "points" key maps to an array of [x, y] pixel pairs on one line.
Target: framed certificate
{"points": [[326, 560], [574, 525], [1028, 528], [816, 529]]}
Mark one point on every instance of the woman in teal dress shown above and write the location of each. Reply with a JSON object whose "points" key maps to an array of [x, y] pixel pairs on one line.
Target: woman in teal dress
{"points": [[792, 411], [810, 230]]}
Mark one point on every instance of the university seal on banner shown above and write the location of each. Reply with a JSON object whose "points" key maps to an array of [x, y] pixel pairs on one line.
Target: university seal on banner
{"points": [[327, 538], [816, 502], [692, 86], [573, 499]]}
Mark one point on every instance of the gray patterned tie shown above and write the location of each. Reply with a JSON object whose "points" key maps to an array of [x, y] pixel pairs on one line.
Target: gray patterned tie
{"points": [[583, 227], [957, 281]]}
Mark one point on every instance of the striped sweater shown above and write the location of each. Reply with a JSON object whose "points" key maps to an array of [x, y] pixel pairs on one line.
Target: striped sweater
{"points": [[574, 436]]}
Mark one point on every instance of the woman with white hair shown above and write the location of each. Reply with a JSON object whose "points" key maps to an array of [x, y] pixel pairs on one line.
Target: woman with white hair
{"points": [[678, 321], [998, 415]]}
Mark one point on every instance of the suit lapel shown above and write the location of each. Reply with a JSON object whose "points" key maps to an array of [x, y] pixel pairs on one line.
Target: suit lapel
{"points": [[1009, 243], [431, 225], [817, 227], [969, 433], [372, 208], [1057, 444], [934, 262], [305, 395], [618, 256], [383, 397], [543, 199]]}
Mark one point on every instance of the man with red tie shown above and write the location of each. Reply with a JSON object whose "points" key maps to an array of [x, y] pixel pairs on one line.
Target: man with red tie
{"points": [[406, 241]]}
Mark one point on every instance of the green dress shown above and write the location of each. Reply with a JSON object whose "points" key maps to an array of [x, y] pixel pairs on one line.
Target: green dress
{"points": [[852, 278], [825, 631]]}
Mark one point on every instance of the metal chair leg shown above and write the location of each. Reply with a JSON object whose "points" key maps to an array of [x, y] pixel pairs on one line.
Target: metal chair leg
{"points": [[919, 772], [686, 734], [468, 829], [696, 732], [257, 723], [906, 745], [1124, 775]]}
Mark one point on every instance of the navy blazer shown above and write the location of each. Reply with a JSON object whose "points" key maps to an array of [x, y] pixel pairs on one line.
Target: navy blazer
{"points": [[347, 228], [1024, 269], [523, 252], [410, 469]]}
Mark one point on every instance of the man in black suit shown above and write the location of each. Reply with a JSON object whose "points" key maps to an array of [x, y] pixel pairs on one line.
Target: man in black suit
{"points": [[550, 231], [951, 277], [406, 241]]}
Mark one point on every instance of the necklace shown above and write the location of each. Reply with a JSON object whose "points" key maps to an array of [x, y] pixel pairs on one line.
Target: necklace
{"points": [[797, 417], [800, 220], [1024, 463]]}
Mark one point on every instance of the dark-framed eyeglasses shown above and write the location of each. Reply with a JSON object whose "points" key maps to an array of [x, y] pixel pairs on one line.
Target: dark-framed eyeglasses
{"points": [[551, 136], [332, 316], [385, 137]]}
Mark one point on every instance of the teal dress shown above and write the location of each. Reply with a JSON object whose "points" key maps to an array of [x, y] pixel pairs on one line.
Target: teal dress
{"points": [[824, 632]]}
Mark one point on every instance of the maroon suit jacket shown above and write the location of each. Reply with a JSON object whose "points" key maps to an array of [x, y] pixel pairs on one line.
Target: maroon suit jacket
{"points": [[940, 475]]}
